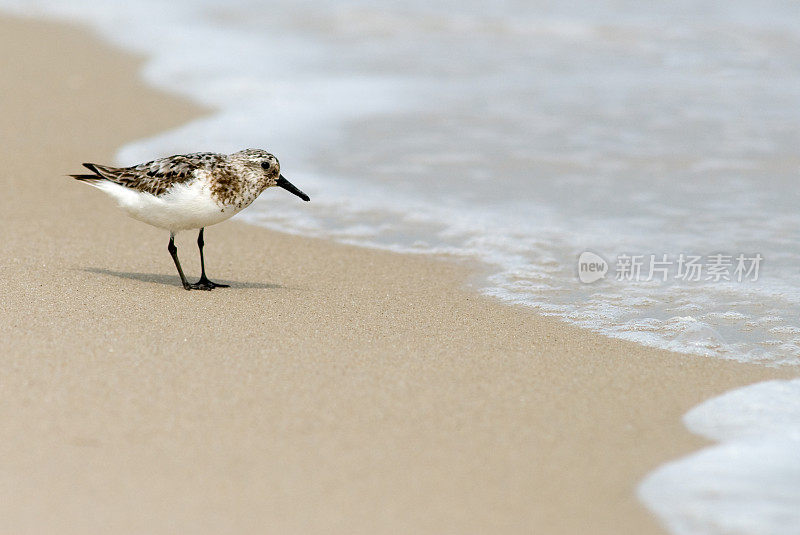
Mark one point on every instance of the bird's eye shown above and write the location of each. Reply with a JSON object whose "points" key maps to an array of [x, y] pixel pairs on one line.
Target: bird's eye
{"points": [[265, 166]]}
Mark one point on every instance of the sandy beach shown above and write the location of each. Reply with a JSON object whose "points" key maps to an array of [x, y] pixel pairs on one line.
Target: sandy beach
{"points": [[331, 389]]}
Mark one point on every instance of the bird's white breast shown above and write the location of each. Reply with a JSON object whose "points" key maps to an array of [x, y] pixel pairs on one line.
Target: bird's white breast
{"points": [[183, 207]]}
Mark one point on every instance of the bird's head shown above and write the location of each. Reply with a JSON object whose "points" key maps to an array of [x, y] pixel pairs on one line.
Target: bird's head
{"points": [[266, 167]]}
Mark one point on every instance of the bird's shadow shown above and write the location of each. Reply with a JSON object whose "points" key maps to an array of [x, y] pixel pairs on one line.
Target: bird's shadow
{"points": [[173, 280]]}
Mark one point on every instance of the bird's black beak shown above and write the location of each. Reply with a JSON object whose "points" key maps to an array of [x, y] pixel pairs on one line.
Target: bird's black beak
{"points": [[288, 186]]}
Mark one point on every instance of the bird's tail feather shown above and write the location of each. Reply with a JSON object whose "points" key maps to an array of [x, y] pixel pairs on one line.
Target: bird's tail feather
{"points": [[101, 173], [87, 178]]}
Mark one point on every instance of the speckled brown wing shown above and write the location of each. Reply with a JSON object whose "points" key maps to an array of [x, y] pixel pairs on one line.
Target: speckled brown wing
{"points": [[158, 176]]}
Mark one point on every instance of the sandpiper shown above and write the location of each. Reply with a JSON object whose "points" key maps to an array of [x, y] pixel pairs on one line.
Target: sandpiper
{"points": [[190, 191]]}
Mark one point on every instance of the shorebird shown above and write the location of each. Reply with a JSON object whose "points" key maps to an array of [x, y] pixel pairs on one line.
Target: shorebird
{"points": [[190, 191]]}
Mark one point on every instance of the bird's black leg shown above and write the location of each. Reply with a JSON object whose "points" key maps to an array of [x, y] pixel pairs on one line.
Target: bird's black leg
{"points": [[204, 283], [174, 252]]}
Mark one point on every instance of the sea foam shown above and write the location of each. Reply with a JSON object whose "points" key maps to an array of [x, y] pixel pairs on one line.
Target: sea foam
{"points": [[748, 483]]}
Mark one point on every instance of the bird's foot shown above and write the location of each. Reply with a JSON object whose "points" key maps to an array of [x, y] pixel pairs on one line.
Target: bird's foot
{"points": [[205, 284]]}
